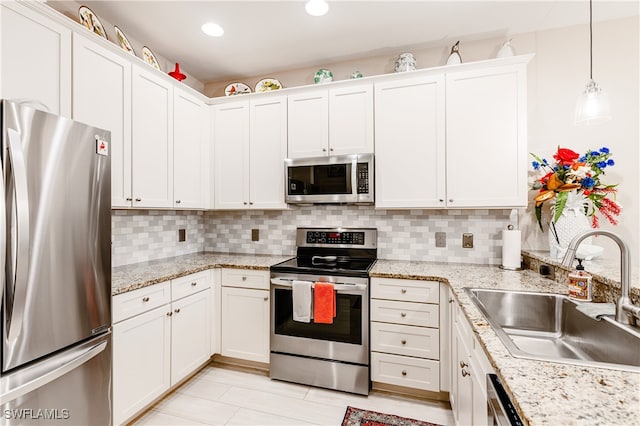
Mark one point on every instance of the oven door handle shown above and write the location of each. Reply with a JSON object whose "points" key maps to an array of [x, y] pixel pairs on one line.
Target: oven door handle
{"points": [[336, 286]]}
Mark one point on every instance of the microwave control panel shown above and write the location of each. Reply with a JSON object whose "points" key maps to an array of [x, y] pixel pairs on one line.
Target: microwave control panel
{"points": [[363, 178], [322, 237]]}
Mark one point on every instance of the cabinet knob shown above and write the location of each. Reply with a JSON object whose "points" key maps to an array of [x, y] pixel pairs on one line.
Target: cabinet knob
{"points": [[145, 299], [451, 200], [193, 284], [451, 300], [465, 373], [177, 201], [403, 341], [129, 199], [138, 199], [177, 310], [441, 200], [244, 278], [266, 298], [169, 313], [404, 372], [403, 314], [331, 149], [324, 149], [403, 291], [463, 364], [245, 203], [250, 203]]}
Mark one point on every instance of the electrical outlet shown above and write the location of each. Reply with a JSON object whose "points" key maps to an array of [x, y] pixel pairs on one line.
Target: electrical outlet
{"points": [[467, 240], [255, 235], [441, 239], [182, 235]]}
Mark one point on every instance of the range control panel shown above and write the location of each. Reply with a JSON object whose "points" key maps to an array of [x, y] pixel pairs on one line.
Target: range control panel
{"points": [[324, 237]]}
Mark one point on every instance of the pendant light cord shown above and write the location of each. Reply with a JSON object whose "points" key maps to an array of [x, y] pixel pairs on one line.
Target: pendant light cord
{"points": [[591, 40]]}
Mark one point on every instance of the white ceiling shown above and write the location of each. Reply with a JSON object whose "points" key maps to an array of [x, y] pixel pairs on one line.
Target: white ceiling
{"points": [[263, 37]]}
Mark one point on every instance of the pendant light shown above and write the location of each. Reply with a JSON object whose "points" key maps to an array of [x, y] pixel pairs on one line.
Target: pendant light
{"points": [[592, 106]]}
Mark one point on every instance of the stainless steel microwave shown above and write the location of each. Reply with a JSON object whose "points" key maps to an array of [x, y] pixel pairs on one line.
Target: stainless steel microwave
{"points": [[332, 179]]}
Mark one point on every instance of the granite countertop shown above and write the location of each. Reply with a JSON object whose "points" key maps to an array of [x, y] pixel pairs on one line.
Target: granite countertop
{"points": [[543, 392]]}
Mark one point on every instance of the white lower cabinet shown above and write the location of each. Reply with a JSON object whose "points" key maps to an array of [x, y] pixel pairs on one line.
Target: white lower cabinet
{"points": [[469, 370], [245, 314], [161, 334], [405, 337]]}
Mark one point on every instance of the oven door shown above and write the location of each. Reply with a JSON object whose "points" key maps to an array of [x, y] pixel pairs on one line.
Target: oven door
{"points": [[346, 339]]}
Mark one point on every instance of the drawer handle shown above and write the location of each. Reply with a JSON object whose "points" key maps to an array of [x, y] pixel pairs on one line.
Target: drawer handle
{"points": [[465, 373], [194, 284], [138, 199], [177, 310], [145, 299], [266, 298], [169, 313], [463, 364], [403, 341], [404, 372], [403, 314], [404, 290], [244, 278]]}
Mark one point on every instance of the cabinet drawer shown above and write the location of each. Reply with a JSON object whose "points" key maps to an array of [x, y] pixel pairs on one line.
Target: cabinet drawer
{"points": [[190, 284], [127, 305], [405, 340], [245, 278], [405, 371], [408, 313], [406, 290]]}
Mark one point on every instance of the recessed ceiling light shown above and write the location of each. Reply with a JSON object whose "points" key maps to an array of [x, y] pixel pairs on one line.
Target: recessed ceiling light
{"points": [[213, 30], [316, 7]]}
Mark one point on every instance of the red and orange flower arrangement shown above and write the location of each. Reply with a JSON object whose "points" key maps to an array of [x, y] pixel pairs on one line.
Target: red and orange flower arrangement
{"points": [[581, 173]]}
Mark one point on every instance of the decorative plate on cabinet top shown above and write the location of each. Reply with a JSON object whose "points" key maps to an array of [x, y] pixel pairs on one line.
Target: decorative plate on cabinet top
{"points": [[150, 58], [124, 42], [267, 85], [236, 89], [91, 21], [323, 76]]}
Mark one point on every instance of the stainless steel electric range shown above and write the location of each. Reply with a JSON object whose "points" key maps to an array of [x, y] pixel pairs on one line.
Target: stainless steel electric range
{"points": [[336, 355]]}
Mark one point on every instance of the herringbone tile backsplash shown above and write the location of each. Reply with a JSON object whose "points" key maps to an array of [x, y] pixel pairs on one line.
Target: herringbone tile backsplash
{"points": [[402, 234]]}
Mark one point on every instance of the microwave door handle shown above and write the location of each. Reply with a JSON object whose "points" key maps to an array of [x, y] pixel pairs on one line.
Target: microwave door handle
{"points": [[21, 271], [354, 179]]}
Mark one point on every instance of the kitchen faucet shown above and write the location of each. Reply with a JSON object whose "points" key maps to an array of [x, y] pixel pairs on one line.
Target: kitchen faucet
{"points": [[626, 312]]}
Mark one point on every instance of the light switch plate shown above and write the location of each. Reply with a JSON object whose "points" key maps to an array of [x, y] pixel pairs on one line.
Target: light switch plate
{"points": [[467, 240]]}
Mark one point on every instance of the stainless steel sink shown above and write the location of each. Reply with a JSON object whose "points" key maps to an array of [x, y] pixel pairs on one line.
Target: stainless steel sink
{"points": [[548, 326]]}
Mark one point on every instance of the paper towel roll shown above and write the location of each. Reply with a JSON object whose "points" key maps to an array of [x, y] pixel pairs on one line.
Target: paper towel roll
{"points": [[511, 249]]}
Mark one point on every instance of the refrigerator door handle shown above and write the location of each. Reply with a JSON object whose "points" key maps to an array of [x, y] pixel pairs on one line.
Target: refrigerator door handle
{"points": [[16, 157], [3, 233], [8, 395]]}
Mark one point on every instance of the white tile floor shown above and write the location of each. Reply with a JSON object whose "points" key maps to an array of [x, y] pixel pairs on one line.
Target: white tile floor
{"points": [[221, 396]]}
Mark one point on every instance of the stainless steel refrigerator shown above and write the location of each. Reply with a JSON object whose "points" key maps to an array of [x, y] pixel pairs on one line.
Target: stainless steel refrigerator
{"points": [[55, 250]]}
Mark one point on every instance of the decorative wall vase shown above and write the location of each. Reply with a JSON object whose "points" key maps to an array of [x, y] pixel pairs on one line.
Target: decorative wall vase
{"points": [[405, 62], [571, 222]]}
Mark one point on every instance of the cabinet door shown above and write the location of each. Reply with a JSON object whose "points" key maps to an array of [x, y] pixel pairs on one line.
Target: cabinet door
{"points": [[36, 59], [268, 136], [231, 147], [190, 334], [189, 121], [152, 140], [245, 324], [308, 120], [351, 120], [102, 98], [462, 385], [486, 138], [410, 143], [141, 361]]}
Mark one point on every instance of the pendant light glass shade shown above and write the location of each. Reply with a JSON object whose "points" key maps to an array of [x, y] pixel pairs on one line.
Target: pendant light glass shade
{"points": [[592, 106]]}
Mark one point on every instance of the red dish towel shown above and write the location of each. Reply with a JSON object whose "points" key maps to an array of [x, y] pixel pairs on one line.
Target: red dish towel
{"points": [[324, 303]]}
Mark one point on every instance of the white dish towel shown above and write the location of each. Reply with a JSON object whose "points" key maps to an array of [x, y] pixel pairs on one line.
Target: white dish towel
{"points": [[302, 301]]}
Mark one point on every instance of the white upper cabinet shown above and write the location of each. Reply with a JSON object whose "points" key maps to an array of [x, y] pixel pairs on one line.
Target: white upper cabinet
{"points": [[331, 122], [268, 149], [486, 137], [351, 120], [102, 98], [231, 147], [152, 139], [308, 119], [36, 59], [250, 145], [410, 142], [189, 130]]}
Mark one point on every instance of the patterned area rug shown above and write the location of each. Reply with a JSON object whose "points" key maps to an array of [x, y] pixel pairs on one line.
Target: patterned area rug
{"points": [[358, 417]]}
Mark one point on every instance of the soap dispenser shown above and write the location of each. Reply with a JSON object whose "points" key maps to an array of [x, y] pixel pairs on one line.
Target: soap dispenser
{"points": [[580, 284]]}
